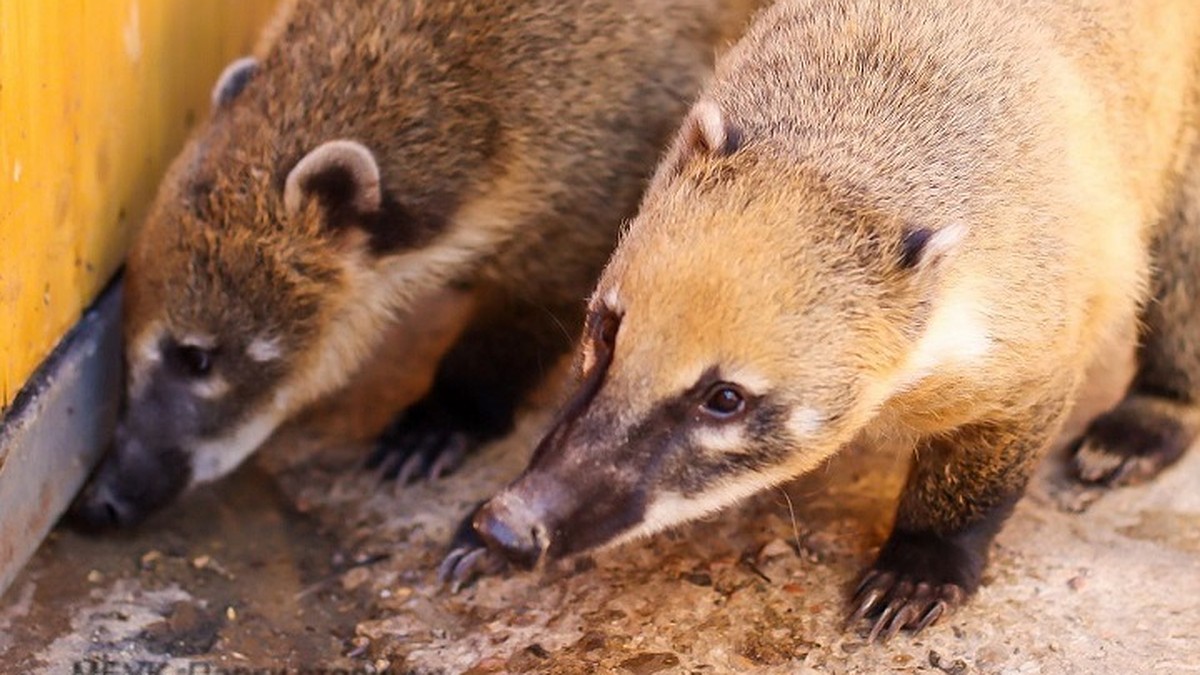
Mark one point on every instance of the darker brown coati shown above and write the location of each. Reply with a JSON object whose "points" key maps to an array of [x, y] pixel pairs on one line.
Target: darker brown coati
{"points": [[371, 156]]}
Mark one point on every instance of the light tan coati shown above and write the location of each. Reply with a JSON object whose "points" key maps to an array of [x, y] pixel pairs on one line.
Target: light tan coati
{"points": [[373, 153], [911, 219]]}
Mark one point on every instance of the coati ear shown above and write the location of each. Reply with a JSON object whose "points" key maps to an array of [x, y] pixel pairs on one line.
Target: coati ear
{"points": [[706, 132], [233, 80], [342, 175], [921, 247]]}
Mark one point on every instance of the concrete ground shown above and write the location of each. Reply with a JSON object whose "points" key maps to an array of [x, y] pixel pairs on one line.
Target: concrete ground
{"points": [[304, 561]]}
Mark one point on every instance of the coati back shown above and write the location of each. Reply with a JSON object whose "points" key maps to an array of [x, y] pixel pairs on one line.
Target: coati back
{"points": [[910, 219], [373, 153]]}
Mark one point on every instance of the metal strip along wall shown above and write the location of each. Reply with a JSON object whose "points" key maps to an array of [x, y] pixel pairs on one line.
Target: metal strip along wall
{"points": [[95, 100]]}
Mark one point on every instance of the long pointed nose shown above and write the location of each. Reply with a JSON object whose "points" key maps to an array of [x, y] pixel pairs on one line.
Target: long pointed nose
{"points": [[99, 507], [133, 481], [513, 529]]}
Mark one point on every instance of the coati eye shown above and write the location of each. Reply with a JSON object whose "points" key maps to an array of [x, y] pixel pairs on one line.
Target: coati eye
{"points": [[190, 360], [725, 401]]}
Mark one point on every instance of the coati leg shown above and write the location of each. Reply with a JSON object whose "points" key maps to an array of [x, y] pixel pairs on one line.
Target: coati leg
{"points": [[961, 488], [476, 390], [1159, 418]]}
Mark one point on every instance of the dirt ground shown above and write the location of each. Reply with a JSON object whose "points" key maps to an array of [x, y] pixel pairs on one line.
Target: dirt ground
{"points": [[302, 561]]}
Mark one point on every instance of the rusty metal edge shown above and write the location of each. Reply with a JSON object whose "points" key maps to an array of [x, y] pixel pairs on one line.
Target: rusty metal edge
{"points": [[52, 435]]}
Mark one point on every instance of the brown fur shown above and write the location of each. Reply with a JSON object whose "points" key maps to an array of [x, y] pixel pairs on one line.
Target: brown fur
{"points": [[454, 115], [511, 138], [902, 219]]}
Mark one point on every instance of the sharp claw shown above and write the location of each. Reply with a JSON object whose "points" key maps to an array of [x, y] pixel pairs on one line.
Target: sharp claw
{"points": [[866, 581], [389, 466], [880, 622], [902, 619], [449, 458], [868, 603], [410, 470], [897, 603], [466, 568], [932, 614], [445, 571]]}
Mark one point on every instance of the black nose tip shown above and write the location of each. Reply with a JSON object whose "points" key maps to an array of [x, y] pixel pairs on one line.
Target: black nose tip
{"points": [[98, 509], [520, 540]]}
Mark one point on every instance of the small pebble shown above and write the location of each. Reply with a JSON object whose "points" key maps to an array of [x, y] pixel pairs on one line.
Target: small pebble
{"points": [[149, 558], [200, 562], [360, 645], [1077, 582], [95, 577], [355, 578], [231, 613], [774, 549]]}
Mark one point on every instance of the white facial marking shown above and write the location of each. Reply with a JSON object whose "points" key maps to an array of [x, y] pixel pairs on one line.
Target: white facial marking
{"points": [[211, 387], [145, 354], [213, 459], [725, 438], [671, 508], [263, 350], [199, 341], [805, 422], [752, 380], [957, 335], [147, 346], [687, 376]]}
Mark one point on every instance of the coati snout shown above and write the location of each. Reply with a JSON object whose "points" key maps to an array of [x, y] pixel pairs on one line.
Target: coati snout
{"points": [[679, 413], [223, 335]]}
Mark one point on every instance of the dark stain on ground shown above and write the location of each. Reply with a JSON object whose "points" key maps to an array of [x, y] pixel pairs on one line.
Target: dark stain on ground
{"points": [[255, 571], [187, 630]]}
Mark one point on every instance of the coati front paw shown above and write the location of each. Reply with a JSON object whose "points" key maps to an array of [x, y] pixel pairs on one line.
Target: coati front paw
{"points": [[916, 580], [468, 558], [418, 445], [1136, 440]]}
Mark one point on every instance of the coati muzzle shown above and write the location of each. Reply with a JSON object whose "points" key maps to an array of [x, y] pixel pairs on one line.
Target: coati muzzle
{"points": [[550, 514], [134, 480], [578, 492]]}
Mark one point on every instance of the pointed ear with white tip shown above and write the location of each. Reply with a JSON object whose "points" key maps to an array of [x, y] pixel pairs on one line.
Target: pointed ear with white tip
{"points": [[707, 132], [233, 80], [342, 175], [921, 247]]}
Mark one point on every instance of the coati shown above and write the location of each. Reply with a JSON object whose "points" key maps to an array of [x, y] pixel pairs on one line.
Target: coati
{"points": [[375, 152], [912, 219]]}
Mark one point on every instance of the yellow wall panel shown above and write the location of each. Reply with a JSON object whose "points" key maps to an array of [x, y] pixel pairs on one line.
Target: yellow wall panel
{"points": [[96, 96]]}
